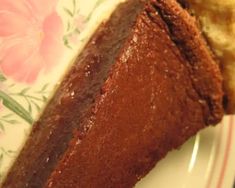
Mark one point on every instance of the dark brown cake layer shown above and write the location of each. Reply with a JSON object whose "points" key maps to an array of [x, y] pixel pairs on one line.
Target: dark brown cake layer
{"points": [[163, 88], [73, 101]]}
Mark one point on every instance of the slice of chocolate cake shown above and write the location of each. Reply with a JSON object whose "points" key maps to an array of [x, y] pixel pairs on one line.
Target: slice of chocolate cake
{"points": [[73, 100], [144, 84]]}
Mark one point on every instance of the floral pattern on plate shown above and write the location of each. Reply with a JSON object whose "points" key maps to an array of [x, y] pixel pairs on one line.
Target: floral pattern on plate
{"points": [[30, 38], [38, 42]]}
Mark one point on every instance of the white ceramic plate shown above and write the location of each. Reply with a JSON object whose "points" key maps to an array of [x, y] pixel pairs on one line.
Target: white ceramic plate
{"points": [[38, 42]]}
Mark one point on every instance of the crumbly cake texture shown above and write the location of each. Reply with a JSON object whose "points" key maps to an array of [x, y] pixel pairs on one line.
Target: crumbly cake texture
{"points": [[217, 22]]}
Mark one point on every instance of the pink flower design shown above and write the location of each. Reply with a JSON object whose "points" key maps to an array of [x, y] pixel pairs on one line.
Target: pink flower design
{"points": [[80, 22], [30, 38]]}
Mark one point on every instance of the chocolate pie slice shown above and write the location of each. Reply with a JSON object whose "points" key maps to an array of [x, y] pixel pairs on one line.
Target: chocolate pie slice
{"points": [[144, 84]]}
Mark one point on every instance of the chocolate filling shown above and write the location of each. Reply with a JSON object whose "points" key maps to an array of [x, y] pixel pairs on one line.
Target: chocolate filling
{"points": [[163, 88], [73, 100], [143, 85]]}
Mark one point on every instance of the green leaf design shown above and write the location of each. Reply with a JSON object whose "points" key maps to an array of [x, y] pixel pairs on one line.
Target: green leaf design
{"points": [[98, 3], [11, 151], [1, 159], [44, 87], [68, 26], [77, 31], [2, 77], [2, 127], [44, 98], [68, 12], [11, 121], [30, 108], [14, 106], [24, 91], [74, 6], [7, 116], [36, 105], [11, 85], [66, 43]]}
